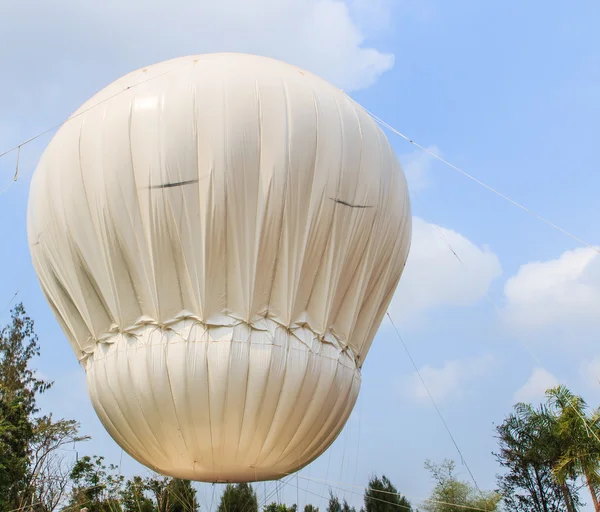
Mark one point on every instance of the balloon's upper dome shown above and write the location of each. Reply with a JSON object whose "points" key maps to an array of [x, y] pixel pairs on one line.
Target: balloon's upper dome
{"points": [[219, 183]]}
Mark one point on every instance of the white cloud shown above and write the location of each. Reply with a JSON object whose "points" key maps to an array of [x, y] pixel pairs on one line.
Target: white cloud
{"points": [[416, 166], [446, 382], [562, 293], [590, 372], [319, 35], [535, 387], [373, 14], [435, 277]]}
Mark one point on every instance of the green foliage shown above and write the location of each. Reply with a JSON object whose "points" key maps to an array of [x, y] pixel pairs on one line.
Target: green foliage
{"points": [[529, 449], [280, 507], [135, 496], [310, 508], [18, 389], [96, 486], [578, 438], [182, 496], [334, 504], [31, 467], [159, 494], [382, 496], [452, 495], [238, 498], [15, 430]]}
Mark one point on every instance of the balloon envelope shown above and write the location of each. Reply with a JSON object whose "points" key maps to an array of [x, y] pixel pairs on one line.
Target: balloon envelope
{"points": [[219, 237]]}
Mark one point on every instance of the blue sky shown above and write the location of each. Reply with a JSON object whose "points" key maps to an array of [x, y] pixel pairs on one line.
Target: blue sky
{"points": [[508, 91]]}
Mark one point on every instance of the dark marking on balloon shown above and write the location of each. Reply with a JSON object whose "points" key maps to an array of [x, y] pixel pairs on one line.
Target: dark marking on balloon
{"points": [[37, 240], [340, 201], [175, 184]]}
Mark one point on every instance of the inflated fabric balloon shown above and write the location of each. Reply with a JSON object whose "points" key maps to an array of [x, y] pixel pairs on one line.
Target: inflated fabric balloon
{"points": [[219, 236]]}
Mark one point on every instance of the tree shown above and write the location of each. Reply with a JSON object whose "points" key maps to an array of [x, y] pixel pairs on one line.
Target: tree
{"points": [[579, 437], [334, 504], [238, 498], [96, 486], [160, 494], [48, 477], [382, 496], [347, 508], [280, 507], [159, 487], [529, 449], [452, 495], [310, 508], [15, 430], [134, 496], [32, 469], [182, 496]]}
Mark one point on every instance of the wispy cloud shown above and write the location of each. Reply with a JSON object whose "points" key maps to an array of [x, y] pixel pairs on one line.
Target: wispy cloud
{"points": [[561, 293], [535, 388], [447, 381], [435, 277]]}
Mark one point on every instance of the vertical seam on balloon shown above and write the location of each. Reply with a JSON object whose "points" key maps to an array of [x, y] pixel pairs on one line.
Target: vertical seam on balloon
{"points": [[336, 271], [172, 229], [191, 346], [346, 409], [113, 430], [128, 265], [329, 229], [66, 297], [354, 222], [198, 295], [249, 355], [139, 403], [161, 222], [175, 236], [310, 432], [144, 228], [262, 400], [315, 435], [266, 437], [362, 263], [118, 406], [295, 400], [284, 209], [115, 355], [225, 143], [108, 260], [165, 342], [84, 268], [226, 212], [130, 218], [335, 428], [87, 202], [149, 351], [208, 396], [150, 241], [309, 227], [257, 225], [103, 247], [369, 292], [383, 292], [225, 400]]}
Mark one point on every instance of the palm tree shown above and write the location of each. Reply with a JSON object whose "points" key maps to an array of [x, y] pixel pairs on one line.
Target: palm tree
{"points": [[579, 438], [536, 429]]}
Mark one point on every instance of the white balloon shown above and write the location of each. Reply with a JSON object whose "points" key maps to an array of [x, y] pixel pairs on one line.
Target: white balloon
{"points": [[219, 236]]}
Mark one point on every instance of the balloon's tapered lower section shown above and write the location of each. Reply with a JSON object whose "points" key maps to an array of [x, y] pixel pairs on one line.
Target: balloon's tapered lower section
{"points": [[228, 403]]}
